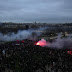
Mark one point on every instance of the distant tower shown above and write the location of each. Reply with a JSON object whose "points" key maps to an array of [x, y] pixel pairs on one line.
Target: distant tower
{"points": [[35, 22]]}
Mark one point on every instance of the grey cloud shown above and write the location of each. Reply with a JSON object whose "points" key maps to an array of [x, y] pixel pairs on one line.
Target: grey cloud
{"points": [[67, 4], [36, 10]]}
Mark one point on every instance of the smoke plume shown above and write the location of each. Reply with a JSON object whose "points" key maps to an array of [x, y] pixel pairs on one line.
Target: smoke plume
{"points": [[58, 43], [61, 42], [20, 35]]}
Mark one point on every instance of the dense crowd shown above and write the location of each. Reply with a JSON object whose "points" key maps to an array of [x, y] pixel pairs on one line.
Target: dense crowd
{"points": [[28, 57]]}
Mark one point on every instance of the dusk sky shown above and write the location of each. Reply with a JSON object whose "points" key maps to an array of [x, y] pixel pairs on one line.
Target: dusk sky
{"points": [[50, 11]]}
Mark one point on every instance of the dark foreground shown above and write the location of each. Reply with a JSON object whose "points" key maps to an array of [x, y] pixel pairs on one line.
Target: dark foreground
{"points": [[30, 58]]}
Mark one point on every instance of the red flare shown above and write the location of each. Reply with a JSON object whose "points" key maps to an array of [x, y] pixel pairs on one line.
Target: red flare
{"points": [[69, 52], [42, 42]]}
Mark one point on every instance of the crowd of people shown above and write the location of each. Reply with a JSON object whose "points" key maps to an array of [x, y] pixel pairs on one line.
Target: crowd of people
{"points": [[28, 57]]}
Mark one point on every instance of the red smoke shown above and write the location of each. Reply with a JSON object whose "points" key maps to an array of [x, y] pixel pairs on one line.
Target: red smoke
{"points": [[42, 42], [69, 52], [22, 41], [17, 41]]}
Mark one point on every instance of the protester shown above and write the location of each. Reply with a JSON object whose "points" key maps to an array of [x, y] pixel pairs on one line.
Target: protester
{"points": [[28, 57]]}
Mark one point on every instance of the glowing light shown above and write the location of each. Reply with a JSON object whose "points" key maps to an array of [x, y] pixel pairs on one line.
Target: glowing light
{"points": [[38, 43], [42, 42], [69, 52]]}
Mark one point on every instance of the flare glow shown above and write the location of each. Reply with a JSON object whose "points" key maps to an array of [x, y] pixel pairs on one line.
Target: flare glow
{"points": [[69, 52], [42, 42]]}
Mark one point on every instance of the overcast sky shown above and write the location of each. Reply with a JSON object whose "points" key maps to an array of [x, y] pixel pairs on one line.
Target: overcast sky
{"points": [[50, 11]]}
